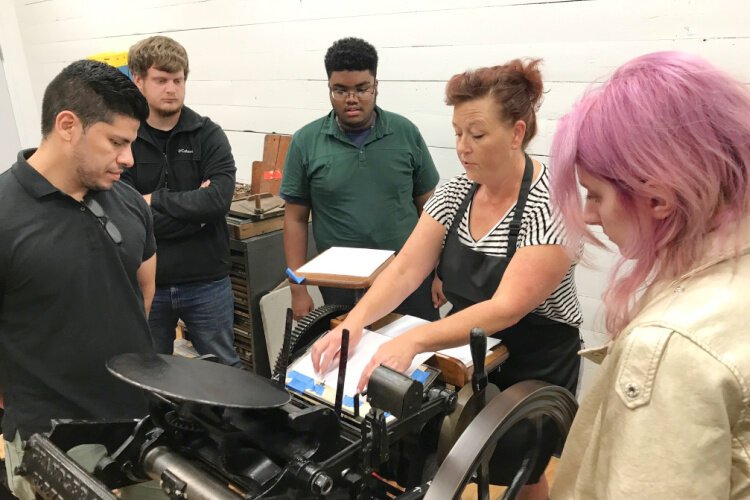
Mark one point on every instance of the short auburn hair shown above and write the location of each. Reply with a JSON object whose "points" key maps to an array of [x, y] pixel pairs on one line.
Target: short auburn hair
{"points": [[516, 87]]}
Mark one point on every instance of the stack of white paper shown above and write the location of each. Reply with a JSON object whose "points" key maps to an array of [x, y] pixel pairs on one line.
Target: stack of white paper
{"points": [[358, 360], [406, 323], [357, 262], [367, 348]]}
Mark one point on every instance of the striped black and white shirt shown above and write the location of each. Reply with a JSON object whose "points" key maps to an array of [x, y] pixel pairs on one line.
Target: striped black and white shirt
{"points": [[539, 226]]}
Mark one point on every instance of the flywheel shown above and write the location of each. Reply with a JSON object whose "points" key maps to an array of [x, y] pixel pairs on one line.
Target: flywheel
{"points": [[469, 459], [468, 406]]}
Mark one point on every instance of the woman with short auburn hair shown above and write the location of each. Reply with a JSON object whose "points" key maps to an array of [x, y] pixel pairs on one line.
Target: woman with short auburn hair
{"points": [[501, 256]]}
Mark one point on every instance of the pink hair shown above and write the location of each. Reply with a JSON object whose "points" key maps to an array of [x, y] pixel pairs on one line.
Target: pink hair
{"points": [[668, 119]]}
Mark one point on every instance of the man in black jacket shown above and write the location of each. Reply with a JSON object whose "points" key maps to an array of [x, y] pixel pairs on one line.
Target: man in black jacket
{"points": [[185, 170]]}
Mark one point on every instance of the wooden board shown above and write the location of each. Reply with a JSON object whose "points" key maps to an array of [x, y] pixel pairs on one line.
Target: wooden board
{"points": [[385, 320], [341, 281], [454, 372], [275, 147], [258, 206], [266, 178], [266, 174], [243, 228]]}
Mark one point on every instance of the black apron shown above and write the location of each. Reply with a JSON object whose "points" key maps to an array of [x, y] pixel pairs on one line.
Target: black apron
{"points": [[540, 348]]}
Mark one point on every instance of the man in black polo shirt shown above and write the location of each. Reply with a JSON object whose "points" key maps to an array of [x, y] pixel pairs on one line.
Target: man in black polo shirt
{"points": [[77, 261]]}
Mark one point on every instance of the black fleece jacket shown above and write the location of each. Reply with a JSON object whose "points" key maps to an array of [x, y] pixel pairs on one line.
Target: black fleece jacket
{"points": [[192, 238]]}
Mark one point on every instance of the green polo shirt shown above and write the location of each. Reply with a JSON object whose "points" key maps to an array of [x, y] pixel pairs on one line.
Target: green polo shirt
{"points": [[360, 197]]}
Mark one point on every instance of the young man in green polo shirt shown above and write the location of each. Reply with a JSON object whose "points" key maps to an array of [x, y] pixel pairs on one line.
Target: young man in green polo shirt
{"points": [[364, 172]]}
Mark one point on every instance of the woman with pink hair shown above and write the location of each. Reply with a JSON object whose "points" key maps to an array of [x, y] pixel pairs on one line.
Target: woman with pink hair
{"points": [[663, 152]]}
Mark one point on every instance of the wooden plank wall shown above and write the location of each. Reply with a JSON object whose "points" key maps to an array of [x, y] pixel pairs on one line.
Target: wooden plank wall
{"points": [[257, 66]]}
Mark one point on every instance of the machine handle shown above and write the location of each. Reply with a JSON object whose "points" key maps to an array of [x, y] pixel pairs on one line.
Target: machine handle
{"points": [[478, 347], [343, 360]]}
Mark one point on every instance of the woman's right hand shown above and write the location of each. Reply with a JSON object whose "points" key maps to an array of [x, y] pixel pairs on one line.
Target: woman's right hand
{"points": [[325, 352]]}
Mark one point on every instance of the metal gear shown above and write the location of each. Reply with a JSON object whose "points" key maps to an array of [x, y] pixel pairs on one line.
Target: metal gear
{"points": [[308, 329], [181, 423]]}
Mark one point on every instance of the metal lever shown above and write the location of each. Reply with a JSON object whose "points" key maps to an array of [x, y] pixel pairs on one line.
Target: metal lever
{"points": [[478, 347], [343, 359]]}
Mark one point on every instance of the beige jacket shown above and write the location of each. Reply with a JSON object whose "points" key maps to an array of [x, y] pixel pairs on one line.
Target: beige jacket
{"points": [[669, 416]]}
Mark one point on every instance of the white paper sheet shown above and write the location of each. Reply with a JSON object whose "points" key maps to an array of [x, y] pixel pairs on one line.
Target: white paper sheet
{"points": [[406, 323], [358, 262], [401, 325], [367, 347], [358, 360], [463, 353]]}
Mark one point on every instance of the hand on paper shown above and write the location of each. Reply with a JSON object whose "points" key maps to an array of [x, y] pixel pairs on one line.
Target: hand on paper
{"points": [[397, 354], [326, 350]]}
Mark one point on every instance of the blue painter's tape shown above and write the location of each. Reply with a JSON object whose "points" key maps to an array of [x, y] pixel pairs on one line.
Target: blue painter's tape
{"points": [[296, 385], [420, 375], [300, 382], [301, 377], [347, 401], [296, 279]]}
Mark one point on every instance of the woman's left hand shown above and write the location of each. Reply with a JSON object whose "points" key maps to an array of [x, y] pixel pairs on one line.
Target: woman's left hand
{"points": [[397, 354]]}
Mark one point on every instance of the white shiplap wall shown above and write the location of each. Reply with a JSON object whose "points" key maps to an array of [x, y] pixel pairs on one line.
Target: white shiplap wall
{"points": [[256, 65]]}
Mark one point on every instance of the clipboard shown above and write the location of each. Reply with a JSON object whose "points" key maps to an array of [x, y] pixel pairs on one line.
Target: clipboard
{"points": [[343, 267]]}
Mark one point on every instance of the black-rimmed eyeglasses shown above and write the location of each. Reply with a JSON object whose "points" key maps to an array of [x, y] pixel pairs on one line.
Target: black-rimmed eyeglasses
{"points": [[361, 93], [96, 209]]}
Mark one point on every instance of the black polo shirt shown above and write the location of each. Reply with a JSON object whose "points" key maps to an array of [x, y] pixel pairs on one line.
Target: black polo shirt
{"points": [[69, 301]]}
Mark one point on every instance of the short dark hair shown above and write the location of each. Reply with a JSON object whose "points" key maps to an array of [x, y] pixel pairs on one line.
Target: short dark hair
{"points": [[95, 92], [351, 54]]}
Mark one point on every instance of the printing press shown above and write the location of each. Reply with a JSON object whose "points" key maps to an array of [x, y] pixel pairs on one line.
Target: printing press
{"points": [[216, 432]]}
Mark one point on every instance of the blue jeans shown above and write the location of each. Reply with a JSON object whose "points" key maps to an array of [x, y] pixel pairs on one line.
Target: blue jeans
{"points": [[206, 308]]}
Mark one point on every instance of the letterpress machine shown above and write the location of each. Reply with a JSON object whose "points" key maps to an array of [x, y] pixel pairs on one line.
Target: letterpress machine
{"points": [[215, 432]]}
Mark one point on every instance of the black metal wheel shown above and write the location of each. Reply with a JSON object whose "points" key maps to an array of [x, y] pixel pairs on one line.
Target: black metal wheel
{"points": [[469, 460], [308, 329]]}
